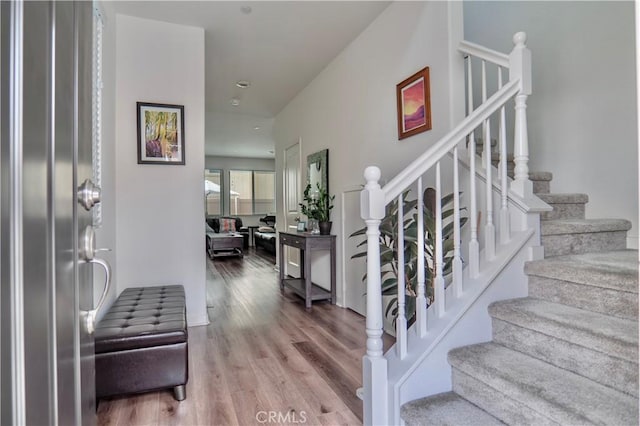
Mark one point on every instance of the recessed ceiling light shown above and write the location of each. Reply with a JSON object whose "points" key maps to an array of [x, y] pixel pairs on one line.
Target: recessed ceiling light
{"points": [[234, 101], [246, 9], [256, 128], [243, 84]]}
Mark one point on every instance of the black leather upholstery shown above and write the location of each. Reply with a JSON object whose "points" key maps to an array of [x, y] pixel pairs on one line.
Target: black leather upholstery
{"points": [[143, 317], [269, 220], [266, 240], [141, 344]]}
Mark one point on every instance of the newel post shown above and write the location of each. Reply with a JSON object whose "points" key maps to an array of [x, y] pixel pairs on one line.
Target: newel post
{"points": [[374, 364], [520, 68]]}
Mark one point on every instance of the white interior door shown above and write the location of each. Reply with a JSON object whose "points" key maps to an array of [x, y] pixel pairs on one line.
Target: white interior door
{"points": [[291, 205], [353, 270]]}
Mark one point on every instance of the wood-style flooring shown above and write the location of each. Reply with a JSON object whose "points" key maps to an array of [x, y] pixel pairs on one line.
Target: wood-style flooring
{"points": [[263, 359]]}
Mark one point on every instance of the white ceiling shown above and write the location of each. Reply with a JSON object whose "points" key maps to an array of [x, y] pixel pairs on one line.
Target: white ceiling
{"points": [[280, 47]]}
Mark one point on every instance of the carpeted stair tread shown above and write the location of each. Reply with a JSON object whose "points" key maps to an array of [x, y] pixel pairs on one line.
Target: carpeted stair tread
{"points": [[540, 176], [616, 269], [606, 334], [578, 226], [561, 396], [556, 198], [446, 409]]}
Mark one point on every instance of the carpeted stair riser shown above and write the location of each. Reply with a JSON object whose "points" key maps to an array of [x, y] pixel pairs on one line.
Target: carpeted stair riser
{"points": [[541, 187], [602, 368], [564, 211], [445, 409], [572, 236], [547, 391], [617, 270], [612, 302], [565, 206], [557, 245], [497, 404], [612, 336], [604, 282], [541, 182]]}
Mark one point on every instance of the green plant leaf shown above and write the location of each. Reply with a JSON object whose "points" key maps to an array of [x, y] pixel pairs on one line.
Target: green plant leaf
{"points": [[362, 231], [361, 254], [390, 305]]}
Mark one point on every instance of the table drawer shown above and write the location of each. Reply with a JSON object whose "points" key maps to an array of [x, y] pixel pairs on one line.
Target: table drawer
{"points": [[292, 240]]}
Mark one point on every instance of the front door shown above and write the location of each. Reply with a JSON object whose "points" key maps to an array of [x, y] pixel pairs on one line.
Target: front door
{"points": [[47, 363]]}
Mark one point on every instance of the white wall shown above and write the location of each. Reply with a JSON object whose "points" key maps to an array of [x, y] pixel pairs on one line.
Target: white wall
{"points": [[350, 108], [582, 113], [160, 208], [239, 163]]}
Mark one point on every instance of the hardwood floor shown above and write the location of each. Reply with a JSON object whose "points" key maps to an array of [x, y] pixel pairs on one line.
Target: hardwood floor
{"points": [[263, 359]]}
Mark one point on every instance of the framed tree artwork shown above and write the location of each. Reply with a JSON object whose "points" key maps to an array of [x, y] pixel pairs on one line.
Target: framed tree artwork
{"points": [[160, 134]]}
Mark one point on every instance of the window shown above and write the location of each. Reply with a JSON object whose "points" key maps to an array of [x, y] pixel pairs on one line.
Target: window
{"points": [[251, 192], [212, 192]]}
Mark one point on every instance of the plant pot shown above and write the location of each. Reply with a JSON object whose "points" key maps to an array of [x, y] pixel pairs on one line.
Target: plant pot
{"points": [[325, 228]]}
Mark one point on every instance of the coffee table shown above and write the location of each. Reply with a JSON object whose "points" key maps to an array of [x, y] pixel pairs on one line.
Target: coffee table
{"points": [[224, 245]]}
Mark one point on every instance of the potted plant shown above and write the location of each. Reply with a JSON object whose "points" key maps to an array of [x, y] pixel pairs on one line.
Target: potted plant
{"points": [[389, 245], [317, 206]]}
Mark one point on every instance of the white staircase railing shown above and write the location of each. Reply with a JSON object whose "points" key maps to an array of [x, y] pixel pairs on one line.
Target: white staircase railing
{"points": [[430, 312]]}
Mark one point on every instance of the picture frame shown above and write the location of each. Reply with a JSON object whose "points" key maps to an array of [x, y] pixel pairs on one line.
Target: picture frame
{"points": [[302, 226], [160, 133], [414, 104]]}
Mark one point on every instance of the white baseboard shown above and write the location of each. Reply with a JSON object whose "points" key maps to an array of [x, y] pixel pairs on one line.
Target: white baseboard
{"points": [[194, 321]]}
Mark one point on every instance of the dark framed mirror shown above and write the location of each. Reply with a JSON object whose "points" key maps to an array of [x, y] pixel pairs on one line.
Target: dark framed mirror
{"points": [[318, 169]]}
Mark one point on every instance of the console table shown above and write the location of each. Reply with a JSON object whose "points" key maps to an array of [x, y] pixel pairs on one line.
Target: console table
{"points": [[303, 286]]}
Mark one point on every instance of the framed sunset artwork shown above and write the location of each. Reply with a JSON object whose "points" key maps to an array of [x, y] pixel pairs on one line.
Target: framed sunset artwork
{"points": [[414, 105]]}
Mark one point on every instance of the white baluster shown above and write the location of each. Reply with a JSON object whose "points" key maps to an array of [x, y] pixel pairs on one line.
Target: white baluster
{"points": [[374, 364], [438, 282], [401, 319], [489, 228], [474, 246], [520, 68], [421, 299], [486, 143], [505, 226], [457, 259]]}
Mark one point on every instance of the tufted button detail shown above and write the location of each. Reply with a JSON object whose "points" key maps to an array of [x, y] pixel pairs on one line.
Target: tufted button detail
{"points": [[143, 318]]}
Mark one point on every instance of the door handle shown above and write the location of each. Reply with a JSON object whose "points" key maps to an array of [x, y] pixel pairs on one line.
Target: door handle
{"points": [[87, 253], [89, 194], [91, 315]]}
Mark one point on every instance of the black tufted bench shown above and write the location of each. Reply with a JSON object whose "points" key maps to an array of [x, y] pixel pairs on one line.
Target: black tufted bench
{"points": [[141, 343]]}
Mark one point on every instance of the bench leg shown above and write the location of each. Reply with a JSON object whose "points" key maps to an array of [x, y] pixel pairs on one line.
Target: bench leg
{"points": [[180, 393]]}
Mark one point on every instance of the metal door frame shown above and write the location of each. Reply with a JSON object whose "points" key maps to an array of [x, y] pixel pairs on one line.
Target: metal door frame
{"points": [[28, 156], [12, 371]]}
